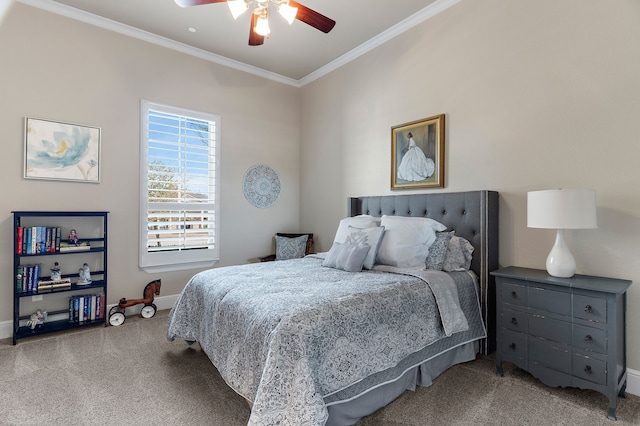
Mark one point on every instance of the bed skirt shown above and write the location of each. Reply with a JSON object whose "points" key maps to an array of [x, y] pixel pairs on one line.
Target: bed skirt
{"points": [[348, 412]]}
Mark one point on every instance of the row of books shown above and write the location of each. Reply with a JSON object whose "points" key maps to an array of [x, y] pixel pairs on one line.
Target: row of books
{"points": [[45, 239], [44, 285], [37, 239], [28, 280], [85, 308], [27, 277]]}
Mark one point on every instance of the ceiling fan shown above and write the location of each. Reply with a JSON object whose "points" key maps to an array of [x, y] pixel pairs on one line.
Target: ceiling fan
{"points": [[259, 29]]}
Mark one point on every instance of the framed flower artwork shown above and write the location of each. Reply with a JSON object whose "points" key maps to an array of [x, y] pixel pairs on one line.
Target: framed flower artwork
{"points": [[61, 151]]}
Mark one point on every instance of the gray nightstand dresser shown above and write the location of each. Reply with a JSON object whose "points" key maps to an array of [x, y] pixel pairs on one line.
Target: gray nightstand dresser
{"points": [[564, 331]]}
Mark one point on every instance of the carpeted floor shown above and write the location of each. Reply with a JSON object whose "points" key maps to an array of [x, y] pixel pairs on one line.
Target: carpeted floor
{"points": [[131, 375]]}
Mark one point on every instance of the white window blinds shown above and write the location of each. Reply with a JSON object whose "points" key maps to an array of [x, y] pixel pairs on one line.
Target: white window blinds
{"points": [[179, 188]]}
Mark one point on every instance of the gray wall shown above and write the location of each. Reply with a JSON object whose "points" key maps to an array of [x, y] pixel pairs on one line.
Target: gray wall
{"points": [[537, 95]]}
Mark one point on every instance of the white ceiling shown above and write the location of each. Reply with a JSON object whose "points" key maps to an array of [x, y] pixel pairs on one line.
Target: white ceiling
{"points": [[293, 54]]}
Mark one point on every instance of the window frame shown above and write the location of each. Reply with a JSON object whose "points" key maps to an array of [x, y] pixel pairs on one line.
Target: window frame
{"points": [[161, 261]]}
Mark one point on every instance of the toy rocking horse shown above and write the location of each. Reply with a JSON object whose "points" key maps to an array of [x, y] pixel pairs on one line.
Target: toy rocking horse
{"points": [[116, 313]]}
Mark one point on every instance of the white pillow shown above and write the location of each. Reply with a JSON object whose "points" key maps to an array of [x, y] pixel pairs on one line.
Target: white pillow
{"points": [[355, 221], [406, 241], [366, 236]]}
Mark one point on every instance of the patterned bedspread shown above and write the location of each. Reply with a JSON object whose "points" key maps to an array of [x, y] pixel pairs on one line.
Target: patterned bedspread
{"points": [[286, 334]]}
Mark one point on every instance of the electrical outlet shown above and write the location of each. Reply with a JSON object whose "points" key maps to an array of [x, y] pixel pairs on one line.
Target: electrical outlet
{"points": [[37, 298]]}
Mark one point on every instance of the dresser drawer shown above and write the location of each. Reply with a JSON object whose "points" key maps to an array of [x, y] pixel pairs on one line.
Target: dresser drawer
{"points": [[550, 355], [513, 344], [514, 320], [550, 329], [589, 369], [589, 338], [550, 301], [514, 294], [590, 308]]}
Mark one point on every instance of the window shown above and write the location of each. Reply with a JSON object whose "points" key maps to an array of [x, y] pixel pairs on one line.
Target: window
{"points": [[179, 178]]}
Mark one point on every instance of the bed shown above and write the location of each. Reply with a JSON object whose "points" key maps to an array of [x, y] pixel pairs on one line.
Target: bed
{"points": [[309, 344]]}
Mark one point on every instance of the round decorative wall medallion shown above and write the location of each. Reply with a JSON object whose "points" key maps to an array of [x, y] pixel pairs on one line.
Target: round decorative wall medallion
{"points": [[261, 186]]}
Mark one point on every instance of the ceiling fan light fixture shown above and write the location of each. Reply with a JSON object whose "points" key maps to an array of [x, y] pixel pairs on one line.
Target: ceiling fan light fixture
{"points": [[259, 25], [288, 12], [262, 23], [237, 7]]}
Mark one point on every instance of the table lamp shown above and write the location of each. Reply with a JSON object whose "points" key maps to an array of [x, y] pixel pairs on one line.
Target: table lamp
{"points": [[561, 209]]}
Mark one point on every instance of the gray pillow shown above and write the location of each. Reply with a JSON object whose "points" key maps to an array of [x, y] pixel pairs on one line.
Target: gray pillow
{"points": [[366, 236], [459, 255], [291, 248], [438, 250], [347, 257]]}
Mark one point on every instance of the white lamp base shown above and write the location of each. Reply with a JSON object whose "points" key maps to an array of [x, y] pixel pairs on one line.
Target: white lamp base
{"points": [[560, 262]]}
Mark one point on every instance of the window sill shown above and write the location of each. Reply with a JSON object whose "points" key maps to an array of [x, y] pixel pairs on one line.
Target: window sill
{"points": [[152, 269]]}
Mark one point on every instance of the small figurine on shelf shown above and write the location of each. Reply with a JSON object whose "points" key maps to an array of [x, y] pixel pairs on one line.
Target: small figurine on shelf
{"points": [[73, 237], [85, 275], [37, 319], [55, 272]]}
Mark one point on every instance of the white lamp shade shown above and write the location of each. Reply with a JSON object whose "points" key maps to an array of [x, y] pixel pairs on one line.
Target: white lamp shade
{"points": [[562, 209]]}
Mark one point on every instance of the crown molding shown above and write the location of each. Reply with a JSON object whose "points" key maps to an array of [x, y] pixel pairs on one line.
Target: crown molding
{"points": [[417, 18], [130, 31]]}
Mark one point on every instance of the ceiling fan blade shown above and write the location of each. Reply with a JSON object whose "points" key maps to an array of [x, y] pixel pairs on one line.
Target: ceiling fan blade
{"points": [[188, 3], [313, 18], [255, 39]]}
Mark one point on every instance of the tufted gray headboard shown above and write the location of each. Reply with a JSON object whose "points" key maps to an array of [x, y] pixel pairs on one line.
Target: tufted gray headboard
{"points": [[473, 215]]}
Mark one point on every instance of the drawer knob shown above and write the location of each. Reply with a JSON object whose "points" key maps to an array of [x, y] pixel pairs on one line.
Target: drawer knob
{"points": [[514, 321], [514, 295], [588, 338], [587, 369], [512, 346], [588, 308]]}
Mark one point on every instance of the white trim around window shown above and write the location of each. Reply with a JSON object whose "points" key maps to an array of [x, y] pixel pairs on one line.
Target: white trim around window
{"points": [[179, 188]]}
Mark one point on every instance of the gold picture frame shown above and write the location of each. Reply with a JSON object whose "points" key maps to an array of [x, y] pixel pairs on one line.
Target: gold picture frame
{"points": [[417, 154]]}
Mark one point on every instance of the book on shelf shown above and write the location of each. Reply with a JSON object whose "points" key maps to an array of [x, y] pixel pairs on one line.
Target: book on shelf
{"points": [[19, 238], [57, 238], [27, 240], [19, 280], [50, 284], [79, 246], [34, 240], [47, 240], [42, 239]]}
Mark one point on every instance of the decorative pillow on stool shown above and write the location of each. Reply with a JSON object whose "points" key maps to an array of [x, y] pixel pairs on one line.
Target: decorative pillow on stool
{"points": [[291, 248]]}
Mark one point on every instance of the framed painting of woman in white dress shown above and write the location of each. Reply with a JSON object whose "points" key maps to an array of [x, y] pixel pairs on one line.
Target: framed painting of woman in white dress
{"points": [[417, 154]]}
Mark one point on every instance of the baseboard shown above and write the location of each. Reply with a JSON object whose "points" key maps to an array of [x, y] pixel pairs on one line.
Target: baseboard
{"points": [[167, 302], [161, 302], [633, 382]]}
